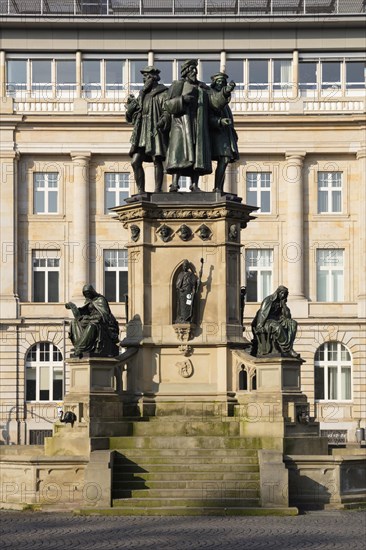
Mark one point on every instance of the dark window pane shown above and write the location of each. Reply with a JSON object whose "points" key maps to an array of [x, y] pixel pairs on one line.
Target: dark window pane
{"points": [[355, 74], [30, 394], [235, 70], [110, 288], [41, 72], [319, 383], [208, 69], [57, 390], [53, 277], [91, 71], [39, 286], [243, 380], [258, 73], [252, 286], [123, 285], [307, 75], [44, 395], [166, 71], [17, 74], [331, 72]]}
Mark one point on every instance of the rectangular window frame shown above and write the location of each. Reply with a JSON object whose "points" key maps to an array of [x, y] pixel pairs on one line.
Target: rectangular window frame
{"points": [[118, 257], [48, 191], [262, 187], [122, 188], [47, 262], [263, 266], [330, 271], [328, 191]]}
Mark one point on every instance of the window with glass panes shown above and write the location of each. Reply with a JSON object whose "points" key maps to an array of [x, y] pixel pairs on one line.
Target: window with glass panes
{"points": [[258, 269], [330, 275], [45, 192], [117, 188], [184, 184], [258, 74], [333, 372], [44, 375], [46, 275], [329, 192], [115, 275], [258, 190]]}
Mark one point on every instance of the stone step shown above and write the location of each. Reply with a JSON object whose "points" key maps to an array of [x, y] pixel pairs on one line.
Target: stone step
{"points": [[197, 487], [183, 460], [212, 475], [187, 502], [205, 510], [185, 428], [198, 467], [184, 442], [189, 453]]}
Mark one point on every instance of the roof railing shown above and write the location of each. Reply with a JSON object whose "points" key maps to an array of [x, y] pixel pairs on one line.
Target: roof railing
{"points": [[207, 8]]}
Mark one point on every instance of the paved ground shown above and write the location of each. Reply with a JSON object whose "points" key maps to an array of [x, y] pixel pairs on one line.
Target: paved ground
{"points": [[318, 531]]}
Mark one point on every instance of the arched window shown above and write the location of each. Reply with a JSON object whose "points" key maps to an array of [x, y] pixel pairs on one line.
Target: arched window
{"points": [[44, 373], [333, 372]]}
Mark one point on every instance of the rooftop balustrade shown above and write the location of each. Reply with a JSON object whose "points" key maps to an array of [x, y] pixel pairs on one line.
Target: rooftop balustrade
{"points": [[180, 8]]}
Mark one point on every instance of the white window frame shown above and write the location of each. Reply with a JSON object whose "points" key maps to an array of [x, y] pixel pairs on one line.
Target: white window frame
{"points": [[46, 261], [47, 190], [263, 263], [122, 185], [326, 184], [184, 184], [37, 350], [260, 179], [325, 263], [337, 363], [120, 259]]}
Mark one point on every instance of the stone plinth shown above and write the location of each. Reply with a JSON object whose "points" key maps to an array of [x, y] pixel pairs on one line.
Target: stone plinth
{"points": [[190, 361], [95, 401]]}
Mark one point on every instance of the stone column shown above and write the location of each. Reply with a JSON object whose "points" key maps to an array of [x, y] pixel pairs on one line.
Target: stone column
{"points": [[293, 249], [295, 74], [79, 251], [8, 233], [2, 74], [361, 157]]}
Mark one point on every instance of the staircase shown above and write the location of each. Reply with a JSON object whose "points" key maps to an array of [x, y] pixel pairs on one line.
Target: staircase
{"points": [[175, 466]]}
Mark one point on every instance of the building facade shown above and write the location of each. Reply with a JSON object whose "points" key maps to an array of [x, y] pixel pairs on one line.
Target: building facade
{"points": [[66, 69]]}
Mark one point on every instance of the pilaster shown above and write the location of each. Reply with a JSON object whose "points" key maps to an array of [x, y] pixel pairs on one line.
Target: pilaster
{"points": [[80, 232], [293, 176], [8, 234], [361, 157]]}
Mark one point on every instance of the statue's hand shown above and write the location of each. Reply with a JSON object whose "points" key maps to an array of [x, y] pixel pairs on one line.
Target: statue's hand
{"points": [[188, 99], [231, 86], [130, 99], [259, 329], [225, 122], [68, 305]]}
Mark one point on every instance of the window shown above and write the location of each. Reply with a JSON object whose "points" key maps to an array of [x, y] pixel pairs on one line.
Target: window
{"points": [[235, 71], [329, 192], [259, 190], [184, 184], [44, 373], [258, 264], [16, 75], [91, 77], [308, 75], [114, 69], [45, 192], [329, 275], [42, 76], [166, 71], [136, 66], [208, 69], [331, 75], [65, 76], [282, 74], [117, 189], [355, 74], [115, 275], [46, 272], [258, 74], [333, 372]]}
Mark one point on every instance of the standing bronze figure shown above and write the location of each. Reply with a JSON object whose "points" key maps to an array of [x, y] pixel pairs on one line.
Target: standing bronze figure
{"points": [[187, 286], [273, 328], [189, 151], [94, 328], [224, 139], [148, 140]]}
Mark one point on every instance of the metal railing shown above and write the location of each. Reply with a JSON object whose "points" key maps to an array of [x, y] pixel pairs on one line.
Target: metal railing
{"points": [[128, 8]]}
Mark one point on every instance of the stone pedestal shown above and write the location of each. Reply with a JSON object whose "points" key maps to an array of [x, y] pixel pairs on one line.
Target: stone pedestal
{"points": [[98, 407], [273, 407], [181, 362]]}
